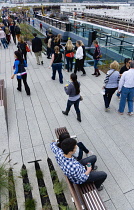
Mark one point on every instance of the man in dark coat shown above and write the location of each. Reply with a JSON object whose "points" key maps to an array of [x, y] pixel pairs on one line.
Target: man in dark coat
{"points": [[12, 30], [37, 48]]}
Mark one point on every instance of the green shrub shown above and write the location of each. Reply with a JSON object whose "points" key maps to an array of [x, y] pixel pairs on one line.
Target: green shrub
{"points": [[58, 189], [30, 204], [27, 187], [39, 174], [43, 191], [23, 172]]}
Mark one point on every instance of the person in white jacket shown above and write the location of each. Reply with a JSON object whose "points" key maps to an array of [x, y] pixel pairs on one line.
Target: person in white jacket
{"points": [[3, 38], [79, 59]]}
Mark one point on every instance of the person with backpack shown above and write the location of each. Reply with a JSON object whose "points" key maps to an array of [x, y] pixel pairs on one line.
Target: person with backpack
{"points": [[96, 57], [69, 53], [20, 71], [22, 48], [37, 48], [56, 64], [17, 32], [111, 83], [73, 90], [12, 30]]}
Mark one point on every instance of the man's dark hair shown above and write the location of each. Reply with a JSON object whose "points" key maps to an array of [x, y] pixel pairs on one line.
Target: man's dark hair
{"points": [[34, 34], [132, 64], [126, 60], [62, 137], [68, 145]]}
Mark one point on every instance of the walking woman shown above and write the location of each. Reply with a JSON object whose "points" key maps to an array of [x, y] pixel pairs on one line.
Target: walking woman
{"points": [[69, 53], [22, 48], [96, 57], [111, 83], [79, 59], [56, 64], [84, 55], [73, 90], [20, 71]]}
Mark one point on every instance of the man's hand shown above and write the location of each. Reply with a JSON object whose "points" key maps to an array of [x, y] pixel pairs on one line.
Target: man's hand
{"points": [[89, 169]]}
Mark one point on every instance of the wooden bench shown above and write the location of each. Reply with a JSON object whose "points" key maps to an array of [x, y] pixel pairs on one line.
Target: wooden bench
{"points": [[85, 196]]}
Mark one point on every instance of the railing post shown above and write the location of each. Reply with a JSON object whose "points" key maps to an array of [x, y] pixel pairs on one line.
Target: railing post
{"points": [[121, 46]]}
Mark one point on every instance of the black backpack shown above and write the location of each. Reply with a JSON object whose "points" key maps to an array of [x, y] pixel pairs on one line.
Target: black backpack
{"points": [[21, 68], [17, 30]]}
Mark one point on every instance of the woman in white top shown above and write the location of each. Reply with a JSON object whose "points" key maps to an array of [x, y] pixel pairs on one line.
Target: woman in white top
{"points": [[3, 38], [79, 59]]}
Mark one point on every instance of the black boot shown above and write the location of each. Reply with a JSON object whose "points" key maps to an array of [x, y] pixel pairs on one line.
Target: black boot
{"points": [[79, 117], [94, 72], [65, 112]]}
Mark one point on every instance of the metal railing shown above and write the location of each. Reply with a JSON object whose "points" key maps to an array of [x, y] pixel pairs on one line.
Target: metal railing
{"points": [[2, 97]]}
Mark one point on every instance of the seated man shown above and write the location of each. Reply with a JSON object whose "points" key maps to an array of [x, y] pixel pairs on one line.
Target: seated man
{"points": [[77, 172]]}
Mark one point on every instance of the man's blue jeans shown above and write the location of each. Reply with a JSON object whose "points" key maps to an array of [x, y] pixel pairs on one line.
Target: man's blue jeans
{"points": [[57, 67], [126, 93], [4, 42]]}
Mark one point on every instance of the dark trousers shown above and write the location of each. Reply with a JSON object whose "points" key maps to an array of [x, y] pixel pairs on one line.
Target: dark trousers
{"points": [[69, 63], [48, 52], [98, 177], [24, 54], [91, 159], [83, 65], [108, 95], [81, 149], [79, 66], [24, 78], [14, 38], [57, 67], [76, 106]]}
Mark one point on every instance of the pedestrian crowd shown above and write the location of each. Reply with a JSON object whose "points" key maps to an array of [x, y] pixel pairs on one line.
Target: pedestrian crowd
{"points": [[67, 151]]}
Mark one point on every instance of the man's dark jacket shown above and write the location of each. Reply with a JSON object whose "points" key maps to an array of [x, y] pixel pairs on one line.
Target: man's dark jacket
{"points": [[36, 44]]}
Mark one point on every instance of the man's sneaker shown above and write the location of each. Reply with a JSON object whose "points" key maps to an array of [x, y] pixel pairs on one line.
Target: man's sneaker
{"points": [[42, 62], [64, 112], [83, 75], [100, 188], [107, 109], [130, 113], [95, 168]]}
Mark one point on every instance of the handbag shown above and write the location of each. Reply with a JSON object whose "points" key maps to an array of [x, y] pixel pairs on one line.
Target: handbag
{"points": [[81, 98], [28, 48], [70, 55]]}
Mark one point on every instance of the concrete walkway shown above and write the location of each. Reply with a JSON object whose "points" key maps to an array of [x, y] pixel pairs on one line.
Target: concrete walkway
{"points": [[32, 120]]}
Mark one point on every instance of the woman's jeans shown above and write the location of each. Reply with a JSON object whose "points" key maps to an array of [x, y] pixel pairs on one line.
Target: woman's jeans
{"points": [[81, 149], [95, 64], [76, 106], [108, 96], [126, 94], [57, 67], [69, 63], [4, 43]]}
